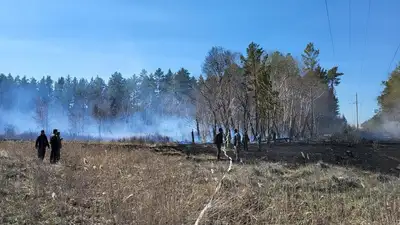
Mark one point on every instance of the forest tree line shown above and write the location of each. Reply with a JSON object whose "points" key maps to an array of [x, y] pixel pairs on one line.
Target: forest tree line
{"points": [[255, 91]]}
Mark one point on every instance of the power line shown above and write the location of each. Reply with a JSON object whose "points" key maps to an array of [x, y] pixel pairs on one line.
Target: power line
{"points": [[330, 29], [366, 36], [394, 57], [349, 24]]}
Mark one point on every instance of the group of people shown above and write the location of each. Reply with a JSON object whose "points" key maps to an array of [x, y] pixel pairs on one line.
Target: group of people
{"points": [[55, 144], [237, 142]]}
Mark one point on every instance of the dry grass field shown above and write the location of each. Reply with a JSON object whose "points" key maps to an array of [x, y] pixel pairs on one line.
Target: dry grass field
{"points": [[149, 184]]}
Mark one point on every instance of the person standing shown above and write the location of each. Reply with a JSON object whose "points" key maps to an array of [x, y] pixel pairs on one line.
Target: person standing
{"points": [[55, 146], [41, 144], [58, 152], [237, 143], [219, 140], [246, 140]]}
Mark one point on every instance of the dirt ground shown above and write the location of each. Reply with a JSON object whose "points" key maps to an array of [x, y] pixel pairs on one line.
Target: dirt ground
{"points": [[119, 183]]}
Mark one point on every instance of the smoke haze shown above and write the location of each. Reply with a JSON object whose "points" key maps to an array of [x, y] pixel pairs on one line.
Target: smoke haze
{"points": [[124, 107], [173, 127], [383, 126]]}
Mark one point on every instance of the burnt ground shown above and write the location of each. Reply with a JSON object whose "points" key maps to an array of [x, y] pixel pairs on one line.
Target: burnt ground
{"points": [[383, 157]]}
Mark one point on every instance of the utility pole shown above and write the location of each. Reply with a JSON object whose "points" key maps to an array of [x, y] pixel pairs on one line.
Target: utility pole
{"points": [[357, 109]]}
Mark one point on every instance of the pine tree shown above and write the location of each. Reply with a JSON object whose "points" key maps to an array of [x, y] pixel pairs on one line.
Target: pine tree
{"points": [[255, 69], [117, 95], [310, 57]]}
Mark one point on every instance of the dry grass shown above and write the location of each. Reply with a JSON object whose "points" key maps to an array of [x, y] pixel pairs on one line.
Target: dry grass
{"points": [[147, 139], [112, 184]]}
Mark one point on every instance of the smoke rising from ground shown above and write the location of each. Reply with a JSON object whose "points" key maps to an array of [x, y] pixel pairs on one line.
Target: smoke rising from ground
{"points": [[173, 127], [122, 107], [383, 125]]}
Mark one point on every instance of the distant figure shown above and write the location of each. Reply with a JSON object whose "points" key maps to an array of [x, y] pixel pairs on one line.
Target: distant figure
{"points": [[236, 144], [228, 139], [219, 140], [55, 146], [349, 154], [259, 142], [57, 156], [192, 137], [246, 140], [41, 144]]}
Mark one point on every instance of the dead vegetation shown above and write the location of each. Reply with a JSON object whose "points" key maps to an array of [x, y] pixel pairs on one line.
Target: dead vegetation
{"points": [[113, 184], [146, 139]]}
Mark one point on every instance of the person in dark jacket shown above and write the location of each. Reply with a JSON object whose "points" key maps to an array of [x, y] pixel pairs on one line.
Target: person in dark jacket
{"points": [[57, 153], [246, 140], [41, 144], [55, 146], [219, 140], [274, 136], [237, 143]]}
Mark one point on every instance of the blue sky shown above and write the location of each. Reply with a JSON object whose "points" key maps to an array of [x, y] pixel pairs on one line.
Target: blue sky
{"points": [[97, 37]]}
